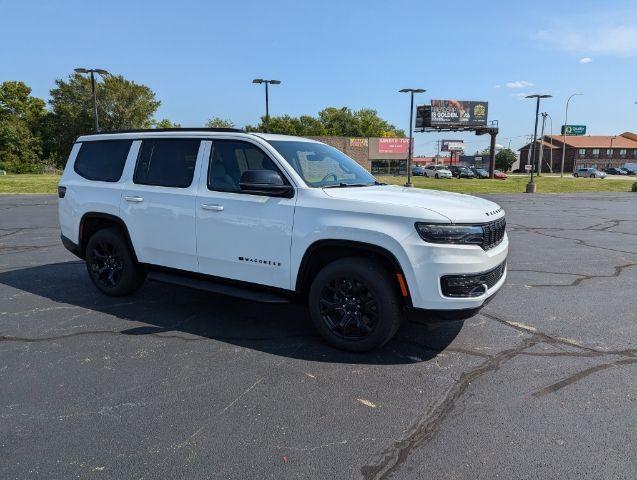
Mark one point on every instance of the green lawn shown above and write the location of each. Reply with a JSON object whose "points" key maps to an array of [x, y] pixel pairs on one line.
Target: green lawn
{"points": [[29, 183], [516, 184], [513, 184]]}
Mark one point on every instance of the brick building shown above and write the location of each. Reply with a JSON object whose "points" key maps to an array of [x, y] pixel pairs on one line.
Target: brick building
{"points": [[600, 151], [377, 155]]}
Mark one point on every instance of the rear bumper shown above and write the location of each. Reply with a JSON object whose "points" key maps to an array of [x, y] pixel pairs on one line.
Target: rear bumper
{"points": [[71, 247]]}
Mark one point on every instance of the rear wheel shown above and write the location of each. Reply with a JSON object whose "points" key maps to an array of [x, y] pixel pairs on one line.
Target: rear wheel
{"points": [[354, 305], [111, 264], [437, 176], [575, 175], [592, 175]]}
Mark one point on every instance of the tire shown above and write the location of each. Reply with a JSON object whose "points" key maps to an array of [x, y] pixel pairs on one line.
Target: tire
{"points": [[575, 175], [111, 265], [593, 175], [437, 176], [373, 310]]}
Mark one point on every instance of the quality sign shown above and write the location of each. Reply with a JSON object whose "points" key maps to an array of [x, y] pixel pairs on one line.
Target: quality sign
{"points": [[573, 129]]}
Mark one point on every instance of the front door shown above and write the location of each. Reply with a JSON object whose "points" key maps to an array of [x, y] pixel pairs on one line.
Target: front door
{"points": [[158, 202], [242, 236]]}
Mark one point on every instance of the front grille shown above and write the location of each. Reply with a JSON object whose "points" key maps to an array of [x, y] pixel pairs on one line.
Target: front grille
{"points": [[493, 233], [471, 285]]}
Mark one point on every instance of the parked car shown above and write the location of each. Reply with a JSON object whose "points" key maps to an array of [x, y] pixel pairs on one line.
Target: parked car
{"points": [[460, 171], [274, 218], [417, 171], [437, 171], [480, 172], [500, 175], [589, 173], [629, 171], [615, 171]]}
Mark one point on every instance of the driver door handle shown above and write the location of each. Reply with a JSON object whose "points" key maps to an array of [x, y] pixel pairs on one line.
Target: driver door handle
{"points": [[134, 199], [212, 206]]}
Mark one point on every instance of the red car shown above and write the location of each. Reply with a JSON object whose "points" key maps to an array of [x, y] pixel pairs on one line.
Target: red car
{"points": [[499, 175]]}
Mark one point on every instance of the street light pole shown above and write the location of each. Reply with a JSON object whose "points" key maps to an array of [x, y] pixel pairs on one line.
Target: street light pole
{"points": [[267, 98], [541, 145], [564, 135], [411, 91], [92, 72], [531, 187]]}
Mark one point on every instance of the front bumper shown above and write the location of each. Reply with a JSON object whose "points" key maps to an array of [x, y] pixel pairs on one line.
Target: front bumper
{"points": [[430, 263]]}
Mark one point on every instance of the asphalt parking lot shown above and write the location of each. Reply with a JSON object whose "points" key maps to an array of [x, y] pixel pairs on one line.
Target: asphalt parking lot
{"points": [[175, 383]]}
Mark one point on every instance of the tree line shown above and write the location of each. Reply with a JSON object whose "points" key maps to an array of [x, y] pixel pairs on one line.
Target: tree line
{"points": [[37, 136]]}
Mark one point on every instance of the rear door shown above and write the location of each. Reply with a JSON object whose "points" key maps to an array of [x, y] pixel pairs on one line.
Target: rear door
{"points": [[158, 202]]}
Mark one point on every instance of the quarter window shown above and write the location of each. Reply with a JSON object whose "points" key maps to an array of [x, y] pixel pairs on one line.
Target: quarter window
{"points": [[102, 160], [167, 163], [229, 159]]}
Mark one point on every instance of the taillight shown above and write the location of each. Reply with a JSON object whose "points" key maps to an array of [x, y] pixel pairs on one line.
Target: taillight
{"points": [[61, 191]]}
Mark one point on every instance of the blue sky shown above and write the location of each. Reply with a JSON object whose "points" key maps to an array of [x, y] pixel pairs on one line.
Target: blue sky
{"points": [[200, 57]]}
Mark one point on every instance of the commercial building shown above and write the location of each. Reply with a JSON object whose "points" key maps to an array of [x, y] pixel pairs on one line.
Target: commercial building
{"points": [[377, 154], [599, 151]]}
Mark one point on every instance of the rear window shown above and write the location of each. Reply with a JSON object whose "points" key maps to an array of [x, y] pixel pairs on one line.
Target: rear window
{"points": [[167, 163], [102, 160]]}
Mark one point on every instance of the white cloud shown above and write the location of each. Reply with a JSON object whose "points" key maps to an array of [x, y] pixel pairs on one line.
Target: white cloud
{"points": [[604, 32], [497, 86], [585, 60], [519, 84]]}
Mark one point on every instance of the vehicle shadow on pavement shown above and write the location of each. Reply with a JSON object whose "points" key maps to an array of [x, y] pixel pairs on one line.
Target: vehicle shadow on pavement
{"points": [[169, 310]]}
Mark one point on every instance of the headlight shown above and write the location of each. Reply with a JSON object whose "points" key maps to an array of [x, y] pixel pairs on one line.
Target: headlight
{"points": [[445, 233]]}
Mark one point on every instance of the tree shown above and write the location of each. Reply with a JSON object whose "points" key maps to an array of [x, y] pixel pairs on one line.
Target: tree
{"points": [[217, 122], [504, 159], [331, 121], [121, 105], [165, 123], [21, 121]]}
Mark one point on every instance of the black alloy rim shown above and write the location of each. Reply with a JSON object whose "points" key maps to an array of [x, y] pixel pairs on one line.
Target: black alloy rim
{"points": [[107, 266], [348, 308]]}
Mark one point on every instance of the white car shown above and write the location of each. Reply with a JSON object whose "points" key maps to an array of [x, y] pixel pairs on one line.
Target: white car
{"points": [[589, 173], [275, 218], [437, 171]]}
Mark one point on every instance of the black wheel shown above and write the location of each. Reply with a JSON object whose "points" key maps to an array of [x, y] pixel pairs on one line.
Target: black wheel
{"points": [[354, 305], [111, 265], [592, 175], [437, 175], [575, 175]]}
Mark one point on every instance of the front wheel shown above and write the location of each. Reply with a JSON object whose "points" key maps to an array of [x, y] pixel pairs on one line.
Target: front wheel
{"points": [[592, 175], [575, 175], [111, 264], [437, 176], [354, 304]]}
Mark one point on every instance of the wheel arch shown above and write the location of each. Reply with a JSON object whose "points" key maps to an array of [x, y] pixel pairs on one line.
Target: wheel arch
{"points": [[322, 252], [91, 222]]}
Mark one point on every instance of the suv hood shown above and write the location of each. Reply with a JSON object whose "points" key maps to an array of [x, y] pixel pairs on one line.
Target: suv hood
{"points": [[458, 208]]}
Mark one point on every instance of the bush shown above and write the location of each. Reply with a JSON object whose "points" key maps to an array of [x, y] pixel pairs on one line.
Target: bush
{"points": [[634, 189]]}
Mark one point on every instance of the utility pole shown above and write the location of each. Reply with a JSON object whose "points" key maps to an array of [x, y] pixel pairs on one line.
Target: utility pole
{"points": [[92, 72], [411, 128], [541, 144], [531, 186], [564, 135]]}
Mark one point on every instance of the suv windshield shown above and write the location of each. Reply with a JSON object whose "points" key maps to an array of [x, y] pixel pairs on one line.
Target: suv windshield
{"points": [[320, 165]]}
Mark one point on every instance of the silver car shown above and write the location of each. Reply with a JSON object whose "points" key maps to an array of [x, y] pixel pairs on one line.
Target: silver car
{"points": [[589, 173], [437, 171]]}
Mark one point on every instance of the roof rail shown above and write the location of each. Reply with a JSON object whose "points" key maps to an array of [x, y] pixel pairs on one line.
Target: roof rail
{"points": [[152, 130]]}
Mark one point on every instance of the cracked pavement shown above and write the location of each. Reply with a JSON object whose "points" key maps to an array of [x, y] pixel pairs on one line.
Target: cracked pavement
{"points": [[176, 383]]}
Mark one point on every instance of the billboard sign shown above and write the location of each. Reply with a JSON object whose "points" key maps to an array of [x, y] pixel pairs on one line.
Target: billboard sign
{"points": [[393, 145], [458, 113], [573, 129], [452, 146]]}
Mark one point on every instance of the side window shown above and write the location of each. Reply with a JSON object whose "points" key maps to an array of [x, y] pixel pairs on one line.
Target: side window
{"points": [[167, 163], [102, 160], [229, 159]]}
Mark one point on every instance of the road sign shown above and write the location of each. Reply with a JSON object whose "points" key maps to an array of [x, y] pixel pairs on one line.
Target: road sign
{"points": [[527, 167], [574, 129]]}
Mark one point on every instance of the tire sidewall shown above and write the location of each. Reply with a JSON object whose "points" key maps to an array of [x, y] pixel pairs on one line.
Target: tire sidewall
{"points": [[377, 282], [132, 274]]}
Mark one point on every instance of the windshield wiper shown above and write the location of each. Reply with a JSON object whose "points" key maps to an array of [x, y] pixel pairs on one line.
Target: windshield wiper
{"points": [[345, 185]]}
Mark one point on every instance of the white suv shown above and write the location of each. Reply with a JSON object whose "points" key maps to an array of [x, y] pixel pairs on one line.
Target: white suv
{"points": [[276, 218]]}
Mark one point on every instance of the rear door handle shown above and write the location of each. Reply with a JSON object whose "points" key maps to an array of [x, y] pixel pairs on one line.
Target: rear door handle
{"points": [[212, 206], [134, 199]]}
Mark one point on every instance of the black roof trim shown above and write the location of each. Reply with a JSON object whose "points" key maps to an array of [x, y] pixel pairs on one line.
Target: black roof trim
{"points": [[153, 130]]}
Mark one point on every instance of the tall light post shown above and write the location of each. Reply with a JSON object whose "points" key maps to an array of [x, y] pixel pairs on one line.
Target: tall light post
{"points": [[531, 187], [267, 102], [564, 135], [92, 72], [411, 91]]}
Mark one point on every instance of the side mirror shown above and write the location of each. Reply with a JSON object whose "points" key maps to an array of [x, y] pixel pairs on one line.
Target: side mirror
{"points": [[265, 182]]}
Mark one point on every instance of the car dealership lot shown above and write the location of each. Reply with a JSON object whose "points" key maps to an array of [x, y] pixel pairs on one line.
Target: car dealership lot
{"points": [[175, 383]]}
